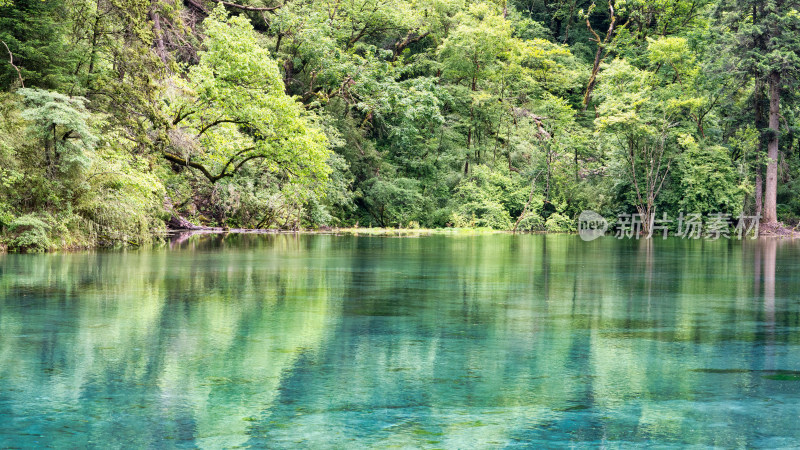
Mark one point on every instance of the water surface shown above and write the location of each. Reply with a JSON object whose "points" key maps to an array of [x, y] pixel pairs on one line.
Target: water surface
{"points": [[437, 342]]}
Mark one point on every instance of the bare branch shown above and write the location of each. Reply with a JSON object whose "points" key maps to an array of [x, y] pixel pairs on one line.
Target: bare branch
{"points": [[178, 160], [410, 38], [11, 61], [218, 122], [222, 173]]}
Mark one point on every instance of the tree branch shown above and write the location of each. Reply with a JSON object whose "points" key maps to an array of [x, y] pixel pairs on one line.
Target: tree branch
{"points": [[11, 61], [178, 160], [599, 56], [230, 161], [181, 115], [223, 173], [218, 122], [198, 6], [409, 39]]}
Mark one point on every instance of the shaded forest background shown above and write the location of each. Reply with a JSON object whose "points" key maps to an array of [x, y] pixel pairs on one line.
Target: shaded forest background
{"points": [[118, 118]]}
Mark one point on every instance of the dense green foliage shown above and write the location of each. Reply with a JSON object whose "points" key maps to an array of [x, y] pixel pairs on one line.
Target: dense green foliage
{"points": [[119, 117]]}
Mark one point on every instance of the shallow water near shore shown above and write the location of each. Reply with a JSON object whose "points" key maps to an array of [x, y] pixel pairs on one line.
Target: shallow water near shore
{"points": [[320, 341]]}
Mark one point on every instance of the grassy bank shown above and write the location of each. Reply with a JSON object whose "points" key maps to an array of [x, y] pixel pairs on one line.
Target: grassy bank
{"points": [[33, 239], [409, 232]]}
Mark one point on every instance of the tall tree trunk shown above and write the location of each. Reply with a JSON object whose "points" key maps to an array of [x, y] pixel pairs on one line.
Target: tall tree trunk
{"points": [[759, 191], [599, 54], [771, 188], [159, 35], [474, 88], [758, 93], [593, 77], [549, 174], [95, 36], [576, 163]]}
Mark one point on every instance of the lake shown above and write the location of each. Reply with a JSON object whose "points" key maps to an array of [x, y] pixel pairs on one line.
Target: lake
{"points": [[319, 341]]}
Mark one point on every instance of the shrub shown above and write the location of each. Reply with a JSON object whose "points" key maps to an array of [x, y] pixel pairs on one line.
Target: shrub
{"points": [[28, 233], [559, 223], [487, 214], [488, 199], [6, 217], [531, 222]]}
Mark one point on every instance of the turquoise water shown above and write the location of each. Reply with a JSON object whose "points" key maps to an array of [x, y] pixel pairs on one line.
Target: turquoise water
{"points": [[436, 342]]}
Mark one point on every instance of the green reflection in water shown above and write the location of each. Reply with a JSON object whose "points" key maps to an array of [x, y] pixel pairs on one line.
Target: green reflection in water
{"points": [[457, 342]]}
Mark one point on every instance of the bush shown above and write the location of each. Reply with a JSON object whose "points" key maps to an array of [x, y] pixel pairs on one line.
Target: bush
{"points": [[392, 202], [6, 217], [482, 215], [121, 202], [559, 223], [28, 234], [488, 198], [531, 222], [708, 180]]}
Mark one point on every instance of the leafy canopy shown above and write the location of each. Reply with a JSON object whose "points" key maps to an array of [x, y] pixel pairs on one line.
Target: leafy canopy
{"points": [[232, 110]]}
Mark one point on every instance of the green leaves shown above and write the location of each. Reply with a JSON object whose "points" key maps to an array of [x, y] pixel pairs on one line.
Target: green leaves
{"points": [[444, 111], [489, 198], [709, 182], [472, 51], [393, 202], [60, 124], [232, 111]]}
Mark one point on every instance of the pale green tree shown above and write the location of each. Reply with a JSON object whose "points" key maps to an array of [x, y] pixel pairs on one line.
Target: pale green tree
{"points": [[231, 111]]}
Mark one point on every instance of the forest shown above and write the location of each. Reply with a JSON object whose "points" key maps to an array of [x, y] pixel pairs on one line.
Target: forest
{"points": [[120, 119]]}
